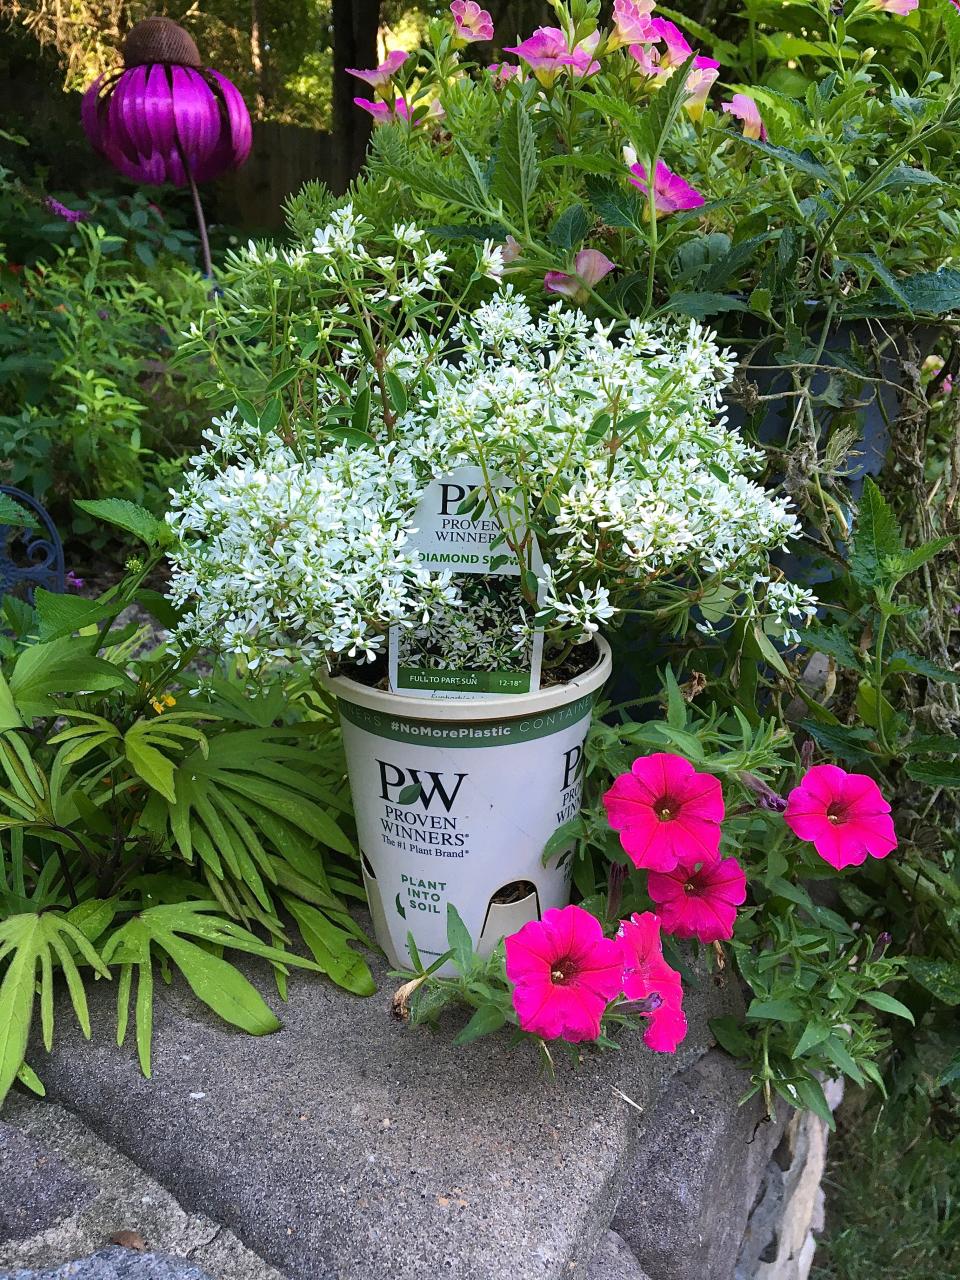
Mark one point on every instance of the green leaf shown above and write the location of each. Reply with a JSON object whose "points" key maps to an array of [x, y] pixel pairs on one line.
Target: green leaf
{"points": [[837, 1053], [151, 765], [934, 773], [901, 660], [15, 516], [887, 1004], [811, 1092], [330, 947], [814, 1033], [61, 666], [780, 1009], [940, 977], [701, 305], [616, 205], [516, 170], [63, 614], [834, 643], [459, 940], [913, 559], [849, 744], [570, 227], [221, 986], [563, 838], [488, 1018], [802, 161], [730, 1034], [129, 517], [876, 536]]}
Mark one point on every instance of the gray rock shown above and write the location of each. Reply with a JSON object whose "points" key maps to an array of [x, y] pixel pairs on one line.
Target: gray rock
{"points": [[37, 1188], [614, 1260], [116, 1264], [698, 1168], [348, 1145], [117, 1197]]}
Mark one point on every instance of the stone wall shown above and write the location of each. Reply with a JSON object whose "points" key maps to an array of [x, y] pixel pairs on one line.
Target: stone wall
{"points": [[348, 1146]]}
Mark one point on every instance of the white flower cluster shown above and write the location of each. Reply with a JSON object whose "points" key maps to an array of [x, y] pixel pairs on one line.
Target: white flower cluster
{"points": [[283, 558], [614, 442]]}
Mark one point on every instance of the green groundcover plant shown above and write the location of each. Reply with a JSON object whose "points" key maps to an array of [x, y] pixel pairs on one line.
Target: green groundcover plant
{"points": [[153, 823], [92, 295]]}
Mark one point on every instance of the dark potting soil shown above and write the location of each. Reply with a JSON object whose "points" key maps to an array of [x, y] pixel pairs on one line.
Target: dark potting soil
{"points": [[578, 661]]}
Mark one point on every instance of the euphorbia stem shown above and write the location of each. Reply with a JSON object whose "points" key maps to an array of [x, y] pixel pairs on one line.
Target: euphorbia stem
{"points": [[201, 226]]}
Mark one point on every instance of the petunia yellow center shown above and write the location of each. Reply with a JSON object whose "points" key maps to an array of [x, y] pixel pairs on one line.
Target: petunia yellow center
{"points": [[562, 971], [836, 813]]}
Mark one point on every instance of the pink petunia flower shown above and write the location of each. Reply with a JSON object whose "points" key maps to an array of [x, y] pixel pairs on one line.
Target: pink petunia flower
{"points": [[699, 899], [503, 71], [900, 7], [703, 75], [380, 77], [843, 814], [747, 111], [472, 22], [590, 266], [546, 53], [564, 974], [631, 22], [665, 811], [646, 974], [670, 193]]}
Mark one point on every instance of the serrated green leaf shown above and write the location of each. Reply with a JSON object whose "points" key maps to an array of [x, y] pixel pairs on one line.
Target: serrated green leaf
{"points": [[570, 227], [516, 170], [901, 660], [934, 773], [876, 535], [129, 517]]}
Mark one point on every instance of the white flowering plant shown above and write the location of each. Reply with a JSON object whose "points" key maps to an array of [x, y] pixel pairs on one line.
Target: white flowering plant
{"points": [[293, 526]]}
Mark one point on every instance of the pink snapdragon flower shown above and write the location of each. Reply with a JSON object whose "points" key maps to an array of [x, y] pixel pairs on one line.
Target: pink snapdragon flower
{"points": [[472, 22], [631, 22], [564, 974], [747, 112], [843, 814], [379, 79], [699, 899], [648, 977], [590, 266], [703, 75], [547, 53], [899, 7], [665, 811], [670, 193]]}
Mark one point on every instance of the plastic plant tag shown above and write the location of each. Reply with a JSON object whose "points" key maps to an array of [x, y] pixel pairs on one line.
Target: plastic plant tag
{"points": [[460, 536]]}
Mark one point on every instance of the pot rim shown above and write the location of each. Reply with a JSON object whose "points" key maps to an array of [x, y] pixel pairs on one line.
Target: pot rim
{"points": [[510, 707]]}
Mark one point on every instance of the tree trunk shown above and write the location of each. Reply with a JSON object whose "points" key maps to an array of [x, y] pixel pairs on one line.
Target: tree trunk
{"points": [[256, 57], [355, 27]]}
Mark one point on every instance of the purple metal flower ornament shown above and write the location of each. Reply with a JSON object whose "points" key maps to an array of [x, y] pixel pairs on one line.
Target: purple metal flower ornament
{"points": [[164, 118]]}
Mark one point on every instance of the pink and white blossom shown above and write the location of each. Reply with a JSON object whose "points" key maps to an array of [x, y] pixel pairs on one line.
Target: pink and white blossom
{"points": [[590, 267], [472, 22], [547, 53], [747, 112], [701, 79], [379, 78], [671, 194], [631, 22]]}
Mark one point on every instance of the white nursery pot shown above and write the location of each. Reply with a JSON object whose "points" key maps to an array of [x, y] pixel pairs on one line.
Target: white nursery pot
{"points": [[495, 779]]}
